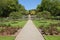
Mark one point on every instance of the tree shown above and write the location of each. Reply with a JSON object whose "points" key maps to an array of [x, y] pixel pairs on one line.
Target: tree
{"points": [[32, 12], [38, 8], [53, 6], [9, 6], [22, 9], [44, 14]]}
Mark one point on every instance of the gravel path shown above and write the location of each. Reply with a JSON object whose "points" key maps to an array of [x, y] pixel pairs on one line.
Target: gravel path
{"points": [[29, 32]]}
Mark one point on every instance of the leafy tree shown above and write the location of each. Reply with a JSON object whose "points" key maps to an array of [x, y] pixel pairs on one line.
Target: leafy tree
{"points": [[53, 6], [44, 14], [22, 9], [7, 6], [38, 8], [32, 12]]}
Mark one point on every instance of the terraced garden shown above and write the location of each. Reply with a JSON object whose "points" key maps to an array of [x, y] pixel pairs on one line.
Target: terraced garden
{"points": [[49, 28], [10, 27]]}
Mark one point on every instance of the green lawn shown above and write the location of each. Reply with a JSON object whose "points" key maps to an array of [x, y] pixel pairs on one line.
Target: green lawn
{"points": [[46, 37], [7, 38], [52, 37]]}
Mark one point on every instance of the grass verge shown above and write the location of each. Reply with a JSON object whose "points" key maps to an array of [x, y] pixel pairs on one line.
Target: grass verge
{"points": [[7, 37], [52, 37]]}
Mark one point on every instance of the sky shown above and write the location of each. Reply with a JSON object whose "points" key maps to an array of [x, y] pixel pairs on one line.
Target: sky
{"points": [[29, 4]]}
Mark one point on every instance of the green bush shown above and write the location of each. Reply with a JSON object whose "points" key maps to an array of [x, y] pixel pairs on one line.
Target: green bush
{"points": [[15, 15], [44, 14]]}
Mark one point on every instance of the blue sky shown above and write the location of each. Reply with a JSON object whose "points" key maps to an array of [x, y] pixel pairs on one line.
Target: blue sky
{"points": [[30, 4]]}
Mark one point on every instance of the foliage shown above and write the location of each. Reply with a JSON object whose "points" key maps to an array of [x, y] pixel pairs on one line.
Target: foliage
{"points": [[9, 6], [44, 14], [48, 27], [15, 15], [32, 12], [45, 22], [12, 23], [53, 6]]}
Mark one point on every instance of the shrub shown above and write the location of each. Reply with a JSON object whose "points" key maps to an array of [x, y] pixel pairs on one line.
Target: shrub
{"points": [[44, 14], [15, 15]]}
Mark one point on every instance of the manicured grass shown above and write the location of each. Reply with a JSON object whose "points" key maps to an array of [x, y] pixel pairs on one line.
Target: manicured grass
{"points": [[52, 37], [7, 38]]}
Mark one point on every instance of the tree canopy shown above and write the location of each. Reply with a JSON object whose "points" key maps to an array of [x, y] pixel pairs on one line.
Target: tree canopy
{"points": [[8, 6], [53, 6]]}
